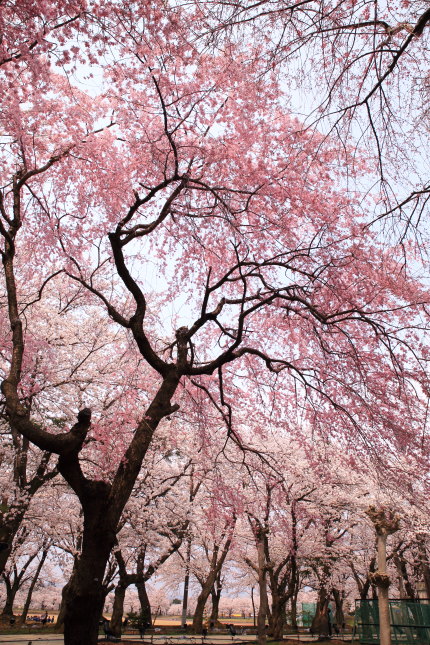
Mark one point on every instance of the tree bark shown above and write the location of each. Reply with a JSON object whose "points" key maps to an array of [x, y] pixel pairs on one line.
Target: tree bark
{"points": [[282, 574], [277, 617], [339, 618], [200, 607], [85, 597], [11, 591], [253, 607], [385, 524], [8, 530], [59, 625], [186, 584], [216, 597], [425, 568], [383, 582], [118, 610], [320, 623], [145, 605], [294, 605], [262, 587]]}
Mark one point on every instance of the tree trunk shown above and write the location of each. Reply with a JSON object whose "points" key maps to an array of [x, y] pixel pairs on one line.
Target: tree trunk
{"points": [[9, 527], [320, 623], [118, 610], [339, 618], [277, 622], [217, 561], [186, 584], [216, 597], [406, 589], [200, 608], [425, 568], [145, 605], [7, 533], [382, 582], [59, 625], [262, 586], [253, 607], [26, 607], [4, 553], [215, 606], [385, 523], [85, 597], [11, 591], [294, 625]]}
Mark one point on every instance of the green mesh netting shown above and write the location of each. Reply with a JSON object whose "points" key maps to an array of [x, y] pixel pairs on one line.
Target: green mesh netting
{"points": [[308, 612], [410, 621]]}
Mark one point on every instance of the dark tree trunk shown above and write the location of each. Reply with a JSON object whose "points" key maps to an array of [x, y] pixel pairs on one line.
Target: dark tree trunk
{"points": [[5, 553], [253, 607], [215, 607], [294, 607], [145, 605], [339, 618], [320, 623], [262, 587], [8, 531], [216, 597], [405, 587], [425, 568], [186, 584], [200, 607], [277, 620], [282, 576], [59, 625], [11, 591], [207, 587], [118, 610], [85, 597]]}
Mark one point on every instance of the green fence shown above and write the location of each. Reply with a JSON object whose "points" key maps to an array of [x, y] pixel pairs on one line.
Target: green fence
{"points": [[308, 613], [410, 622]]}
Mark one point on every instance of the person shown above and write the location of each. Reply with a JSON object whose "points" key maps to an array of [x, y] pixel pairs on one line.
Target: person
{"points": [[142, 627], [44, 618], [204, 632], [232, 630], [106, 629]]}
